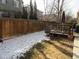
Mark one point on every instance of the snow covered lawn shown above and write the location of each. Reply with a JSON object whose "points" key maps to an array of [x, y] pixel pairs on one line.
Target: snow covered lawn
{"points": [[9, 49]]}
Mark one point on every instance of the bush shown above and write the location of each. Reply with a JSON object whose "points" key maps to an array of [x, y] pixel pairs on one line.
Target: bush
{"points": [[77, 29]]}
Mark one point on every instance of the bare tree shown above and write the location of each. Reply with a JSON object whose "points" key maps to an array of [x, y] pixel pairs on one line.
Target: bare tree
{"points": [[56, 8]]}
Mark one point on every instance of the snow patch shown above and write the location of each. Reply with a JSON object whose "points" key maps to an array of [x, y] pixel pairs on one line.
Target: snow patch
{"points": [[12, 48]]}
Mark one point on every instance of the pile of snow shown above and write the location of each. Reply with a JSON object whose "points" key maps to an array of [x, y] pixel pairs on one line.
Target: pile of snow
{"points": [[12, 48]]}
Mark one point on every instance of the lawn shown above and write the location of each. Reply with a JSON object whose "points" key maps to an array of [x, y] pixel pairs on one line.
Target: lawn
{"points": [[50, 49]]}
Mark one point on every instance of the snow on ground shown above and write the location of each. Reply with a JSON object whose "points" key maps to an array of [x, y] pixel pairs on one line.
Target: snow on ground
{"points": [[9, 49]]}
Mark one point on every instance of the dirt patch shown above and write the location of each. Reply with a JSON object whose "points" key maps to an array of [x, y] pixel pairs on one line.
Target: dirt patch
{"points": [[51, 49]]}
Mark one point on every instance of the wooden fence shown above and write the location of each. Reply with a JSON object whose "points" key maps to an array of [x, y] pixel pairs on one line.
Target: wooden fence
{"points": [[13, 27]]}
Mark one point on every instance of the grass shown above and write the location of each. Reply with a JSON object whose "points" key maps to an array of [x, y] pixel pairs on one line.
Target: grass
{"points": [[51, 49]]}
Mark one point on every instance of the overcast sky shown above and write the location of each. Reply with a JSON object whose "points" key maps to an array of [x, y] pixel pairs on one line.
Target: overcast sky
{"points": [[72, 6]]}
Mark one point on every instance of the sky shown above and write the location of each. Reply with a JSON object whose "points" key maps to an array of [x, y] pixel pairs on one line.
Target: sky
{"points": [[72, 6]]}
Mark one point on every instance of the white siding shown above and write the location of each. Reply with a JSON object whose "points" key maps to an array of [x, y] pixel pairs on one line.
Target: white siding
{"points": [[0, 1], [16, 2], [3, 1], [10, 5]]}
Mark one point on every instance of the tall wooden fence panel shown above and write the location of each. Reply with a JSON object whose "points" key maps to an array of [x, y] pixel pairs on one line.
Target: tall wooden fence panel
{"points": [[14, 27]]}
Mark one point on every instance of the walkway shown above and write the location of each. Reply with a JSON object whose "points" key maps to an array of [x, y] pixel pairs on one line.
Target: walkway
{"points": [[13, 47], [76, 47]]}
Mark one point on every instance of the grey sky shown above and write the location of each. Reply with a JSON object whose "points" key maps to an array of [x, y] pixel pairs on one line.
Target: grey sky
{"points": [[72, 6]]}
